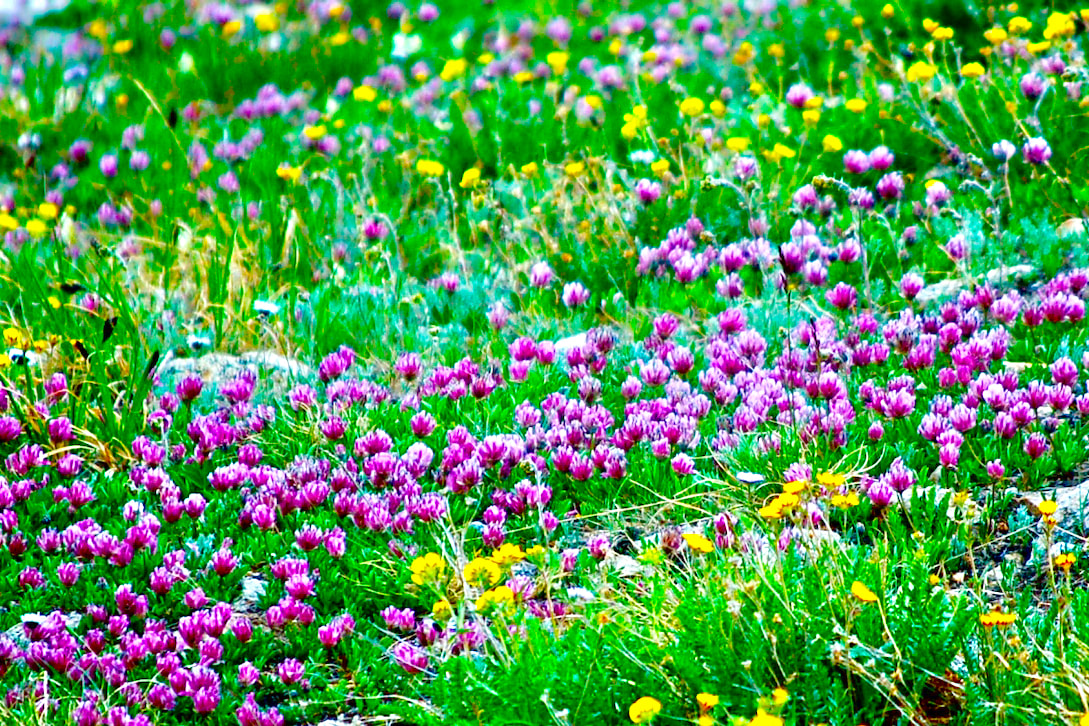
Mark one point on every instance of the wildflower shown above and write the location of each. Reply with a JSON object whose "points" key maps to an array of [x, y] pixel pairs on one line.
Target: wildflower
{"points": [[779, 152], [1047, 508], [995, 36], [501, 599], [921, 71], [481, 572], [529, 169], [738, 144], [660, 167], [832, 144], [8, 222], [428, 167], [428, 569], [1036, 150], [997, 617], [1065, 560], [442, 610], [1019, 24], [574, 169], [862, 593], [888, 11], [314, 133], [231, 28], [972, 70], [706, 701], [364, 93], [47, 210], [779, 697], [644, 710], [267, 22], [36, 227], [508, 554], [763, 718], [470, 178], [289, 173], [856, 105], [557, 61], [692, 106], [453, 69], [698, 543]]}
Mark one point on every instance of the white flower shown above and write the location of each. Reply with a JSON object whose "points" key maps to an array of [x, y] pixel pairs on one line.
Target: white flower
{"points": [[197, 342], [642, 156], [264, 307], [405, 45]]}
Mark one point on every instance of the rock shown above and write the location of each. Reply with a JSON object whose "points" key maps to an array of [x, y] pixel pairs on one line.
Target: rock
{"points": [[253, 589], [951, 287], [26, 12], [216, 369], [1072, 503], [627, 566]]}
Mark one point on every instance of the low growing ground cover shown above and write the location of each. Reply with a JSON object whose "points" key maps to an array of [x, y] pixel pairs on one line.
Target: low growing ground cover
{"points": [[544, 363]]}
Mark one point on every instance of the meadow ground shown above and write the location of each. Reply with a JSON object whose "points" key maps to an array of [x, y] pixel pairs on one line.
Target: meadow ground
{"points": [[544, 363]]}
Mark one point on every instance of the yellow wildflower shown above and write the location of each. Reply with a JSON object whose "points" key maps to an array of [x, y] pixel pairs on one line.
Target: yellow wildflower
{"points": [[660, 167], [831, 479], [508, 554], [454, 68], [1065, 560], [862, 593], [888, 11], [698, 543], [8, 222], [529, 169], [814, 102], [442, 610], [763, 718], [779, 697], [267, 22], [995, 36], [692, 106], [942, 33], [574, 169], [13, 337], [122, 47], [48, 210], [557, 61], [972, 70], [36, 227], [1019, 24], [795, 487], [427, 167], [231, 28], [706, 701], [289, 173], [921, 71], [501, 599], [315, 132], [744, 54], [644, 710], [470, 178], [1047, 507], [718, 108], [856, 105], [365, 93], [737, 143], [481, 572], [428, 569], [811, 116], [776, 50]]}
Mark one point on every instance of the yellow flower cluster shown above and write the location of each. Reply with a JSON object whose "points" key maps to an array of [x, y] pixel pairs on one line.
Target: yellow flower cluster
{"points": [[634, 122], [427, 167], [428, 569], [454, 69], [495, 601], [997, 617]]}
